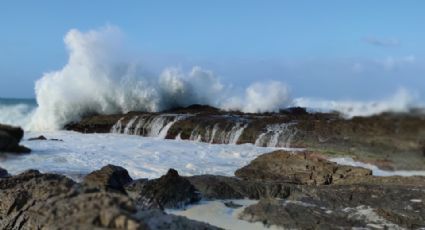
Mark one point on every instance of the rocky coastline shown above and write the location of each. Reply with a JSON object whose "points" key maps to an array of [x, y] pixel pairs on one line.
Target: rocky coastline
{"points": [[392, 141], [294, 190]]}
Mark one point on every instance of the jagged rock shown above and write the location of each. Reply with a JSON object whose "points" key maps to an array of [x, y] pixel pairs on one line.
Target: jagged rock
{"points": [[168, 191], [39, 138], [9, 139], [298, 168], [3, 173], [33, 200], [110, 177]]}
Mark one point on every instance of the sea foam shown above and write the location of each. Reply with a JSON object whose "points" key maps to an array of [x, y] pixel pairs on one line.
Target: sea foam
{"points": [[101, 78]]}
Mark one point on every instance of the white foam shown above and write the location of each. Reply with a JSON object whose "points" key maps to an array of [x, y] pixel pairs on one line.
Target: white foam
{"points": [[375, 170], [401, 101], [143, 157], [16, 114], [100, 77]]}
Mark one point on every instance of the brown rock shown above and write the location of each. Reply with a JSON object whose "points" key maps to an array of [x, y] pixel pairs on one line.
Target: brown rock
{"points": [[110, 177], [298, 168], [169, 191]]}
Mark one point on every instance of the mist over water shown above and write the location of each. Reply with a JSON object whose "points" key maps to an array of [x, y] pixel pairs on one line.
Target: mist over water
{"points": [[101, 77]]}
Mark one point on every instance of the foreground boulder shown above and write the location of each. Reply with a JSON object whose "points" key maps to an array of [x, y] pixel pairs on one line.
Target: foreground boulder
{"points": [[33, 200], [110, 177], [9, 139], [169, 191], [299, 168]]}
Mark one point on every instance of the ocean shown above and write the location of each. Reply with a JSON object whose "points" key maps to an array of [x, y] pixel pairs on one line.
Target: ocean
{"points": [[17, 112]]}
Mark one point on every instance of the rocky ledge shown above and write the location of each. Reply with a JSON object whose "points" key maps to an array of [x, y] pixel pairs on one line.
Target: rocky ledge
{"points": [[392, 141], [9, 140], [294, 190]]}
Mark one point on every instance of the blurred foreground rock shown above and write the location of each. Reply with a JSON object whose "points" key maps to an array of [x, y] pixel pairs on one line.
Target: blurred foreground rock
{"points": [[9, 140]]}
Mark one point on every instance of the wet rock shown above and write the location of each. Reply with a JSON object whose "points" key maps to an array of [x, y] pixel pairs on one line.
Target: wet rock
{"points": [[298, 168], [221, 187], [33, 200], [232, 204], [3, 173], [9, 139], [39, 138], [110, 177], [168, 191]]}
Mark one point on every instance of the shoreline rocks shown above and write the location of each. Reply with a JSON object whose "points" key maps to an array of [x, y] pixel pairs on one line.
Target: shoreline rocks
{"points": [[9, 140], [295, 190], [389, 140]]}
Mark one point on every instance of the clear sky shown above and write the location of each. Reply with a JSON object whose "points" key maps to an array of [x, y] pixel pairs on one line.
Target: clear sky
{"points": [[328, 49]]}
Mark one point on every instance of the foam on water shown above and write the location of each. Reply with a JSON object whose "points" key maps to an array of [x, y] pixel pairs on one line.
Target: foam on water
{"points": [[143, 157]]}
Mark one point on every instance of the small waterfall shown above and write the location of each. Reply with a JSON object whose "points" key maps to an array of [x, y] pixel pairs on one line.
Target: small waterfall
{"points": [[213, 132], [216, 134], [117, 127], [129, 129], [277, 135], [194, 135], [235, 133], [148, 125]]}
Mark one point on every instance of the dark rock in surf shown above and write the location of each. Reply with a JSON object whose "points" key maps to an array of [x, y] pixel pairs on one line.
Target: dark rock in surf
{"points": [[3, 173], [39, 138], [9, 139], [168, 191], [108, 178]]}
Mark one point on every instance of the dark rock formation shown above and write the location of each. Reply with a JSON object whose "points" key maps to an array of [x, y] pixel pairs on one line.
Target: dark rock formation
{"points": [[39, 138], [298, 168], [3, 173], [110, 177], [168, 191], [9, 139], [47, 201]]}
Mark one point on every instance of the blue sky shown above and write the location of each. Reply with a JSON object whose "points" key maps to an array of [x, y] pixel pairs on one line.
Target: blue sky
{"points": [[328, 49]]}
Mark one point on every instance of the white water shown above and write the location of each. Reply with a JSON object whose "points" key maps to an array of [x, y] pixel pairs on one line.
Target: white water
{"points": [[18, 113], [148, 125], [375, 170], [401, 101], [217, 214], [101, 77], [143, 157], [277, 135]]}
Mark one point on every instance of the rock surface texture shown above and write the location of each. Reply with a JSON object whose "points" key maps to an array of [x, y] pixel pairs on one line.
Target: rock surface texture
{"points": [[295, 190], [33, 200]]}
